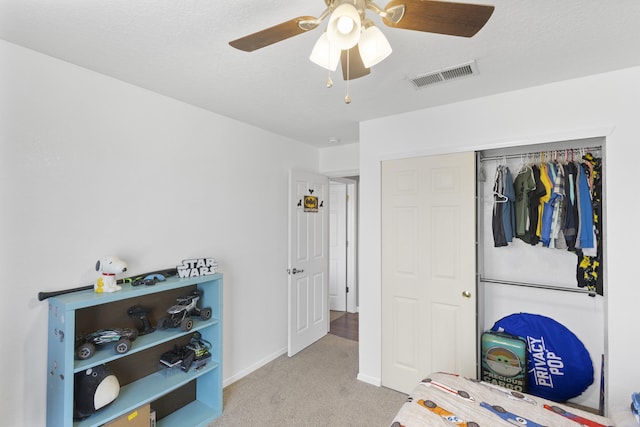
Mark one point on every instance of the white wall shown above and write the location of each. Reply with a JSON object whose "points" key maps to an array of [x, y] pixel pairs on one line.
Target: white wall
{"points": [[91, 166], [600, 105], [339, 160]]}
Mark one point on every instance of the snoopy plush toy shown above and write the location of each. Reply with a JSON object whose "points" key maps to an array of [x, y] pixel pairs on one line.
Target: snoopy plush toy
{"points": [[109, 267]]}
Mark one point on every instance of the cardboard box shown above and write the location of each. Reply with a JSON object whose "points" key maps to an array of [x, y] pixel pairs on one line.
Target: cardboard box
{"points": [[136, 418]]}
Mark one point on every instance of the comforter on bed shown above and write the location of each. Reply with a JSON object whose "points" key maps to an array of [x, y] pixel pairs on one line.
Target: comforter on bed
{"points": [[448, 399]]}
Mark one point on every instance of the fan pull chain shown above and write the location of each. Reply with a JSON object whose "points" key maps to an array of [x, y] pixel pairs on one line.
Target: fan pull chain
{"points": [[347, 99]]}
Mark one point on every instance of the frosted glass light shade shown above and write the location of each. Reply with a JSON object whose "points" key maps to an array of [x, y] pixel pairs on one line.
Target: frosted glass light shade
{"points": [[343, 29], [373, 46], [324, 54]]}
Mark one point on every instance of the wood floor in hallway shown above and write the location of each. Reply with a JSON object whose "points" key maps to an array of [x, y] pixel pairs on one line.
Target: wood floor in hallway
{"points": [[344, 324]]}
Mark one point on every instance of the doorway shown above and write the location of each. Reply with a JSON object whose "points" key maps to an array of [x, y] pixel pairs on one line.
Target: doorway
{"points": [[343, 252]]}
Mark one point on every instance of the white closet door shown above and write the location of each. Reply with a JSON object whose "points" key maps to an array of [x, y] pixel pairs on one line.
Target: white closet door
{"points": [[428, 268]]}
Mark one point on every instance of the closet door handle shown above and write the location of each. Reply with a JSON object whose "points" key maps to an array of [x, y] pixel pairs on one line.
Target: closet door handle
{"points": [[466, 294]]}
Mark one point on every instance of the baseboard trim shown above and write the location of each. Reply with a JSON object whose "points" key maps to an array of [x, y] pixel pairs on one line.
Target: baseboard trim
{"points": [[243, 373], [369, 380]]}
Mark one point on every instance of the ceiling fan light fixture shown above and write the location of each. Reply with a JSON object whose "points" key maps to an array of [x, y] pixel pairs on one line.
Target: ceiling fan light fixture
{"points": [[343, 29], [324, 54], [373, 46]]}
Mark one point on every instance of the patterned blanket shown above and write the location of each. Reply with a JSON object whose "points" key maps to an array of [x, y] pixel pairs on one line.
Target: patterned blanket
{"points": [[448, 399]]}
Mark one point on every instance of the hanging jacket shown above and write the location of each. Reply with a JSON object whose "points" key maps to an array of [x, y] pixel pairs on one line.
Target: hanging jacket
{"points": [[585, 230], [523, 184], [508, 209], [497, 224], [546, 182], [570, 225], [534, 195]]}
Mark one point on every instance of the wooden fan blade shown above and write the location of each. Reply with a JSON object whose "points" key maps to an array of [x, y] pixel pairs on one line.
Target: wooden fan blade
{"points": [[273, 34], [353, 68], [454, 19]]}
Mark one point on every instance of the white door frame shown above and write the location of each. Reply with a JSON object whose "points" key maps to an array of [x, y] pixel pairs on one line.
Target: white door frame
{"points": [[352, 246], [338, 246], [352, 241]]}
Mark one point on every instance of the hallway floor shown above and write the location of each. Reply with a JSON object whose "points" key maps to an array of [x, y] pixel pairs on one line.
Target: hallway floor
{"points": [[344, 324]]}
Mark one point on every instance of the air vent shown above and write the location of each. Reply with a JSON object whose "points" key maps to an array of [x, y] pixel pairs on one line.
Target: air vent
{"points": [[446, 74]]}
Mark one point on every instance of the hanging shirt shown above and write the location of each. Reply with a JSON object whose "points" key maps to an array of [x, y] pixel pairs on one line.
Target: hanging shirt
{"points": [[546, 182], [497, 224], [589, 269], [570, 224], [523, 184], [508, 214], [585, 236], [534, 196], [555, 240]]}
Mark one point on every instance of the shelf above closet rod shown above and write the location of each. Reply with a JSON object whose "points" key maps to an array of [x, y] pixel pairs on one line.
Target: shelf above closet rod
{"points": [[538, 286], [524, 155]]}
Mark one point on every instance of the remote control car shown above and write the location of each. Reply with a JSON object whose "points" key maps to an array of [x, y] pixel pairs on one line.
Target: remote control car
{"points": [[183, 312], [196, 353], [193, 355], [86, 345]]}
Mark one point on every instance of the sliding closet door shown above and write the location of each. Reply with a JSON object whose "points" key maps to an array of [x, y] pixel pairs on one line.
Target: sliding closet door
{"points": [[428, 268]]}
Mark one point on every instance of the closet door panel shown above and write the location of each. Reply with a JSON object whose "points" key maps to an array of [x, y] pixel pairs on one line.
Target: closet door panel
{"points": [[428, 256]]}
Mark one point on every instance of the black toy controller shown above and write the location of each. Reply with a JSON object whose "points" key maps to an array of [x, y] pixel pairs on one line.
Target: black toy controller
{"points": [[141, 313]]}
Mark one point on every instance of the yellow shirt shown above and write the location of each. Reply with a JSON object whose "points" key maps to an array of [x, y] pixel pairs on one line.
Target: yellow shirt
{"points": [[546, 182]]}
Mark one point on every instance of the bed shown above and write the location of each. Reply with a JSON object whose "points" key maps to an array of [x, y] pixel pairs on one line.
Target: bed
{"points": [[449, 399]]}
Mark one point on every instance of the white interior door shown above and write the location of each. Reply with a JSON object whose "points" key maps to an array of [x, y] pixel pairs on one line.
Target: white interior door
{"points": [[338, 247], [308, 260], [428, 268]]}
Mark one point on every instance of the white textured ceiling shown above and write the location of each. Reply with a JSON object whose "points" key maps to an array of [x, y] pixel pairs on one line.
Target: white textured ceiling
{"points": [[179, 48]]}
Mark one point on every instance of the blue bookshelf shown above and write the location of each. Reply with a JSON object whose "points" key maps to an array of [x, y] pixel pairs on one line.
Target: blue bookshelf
{"points": [[61, 363]]}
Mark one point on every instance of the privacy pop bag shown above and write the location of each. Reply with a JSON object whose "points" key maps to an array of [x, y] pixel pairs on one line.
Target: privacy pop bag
{"points": [[559, 365]]}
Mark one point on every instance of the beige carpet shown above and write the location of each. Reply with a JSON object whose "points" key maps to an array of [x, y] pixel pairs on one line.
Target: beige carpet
{"points": [[316, 387]]}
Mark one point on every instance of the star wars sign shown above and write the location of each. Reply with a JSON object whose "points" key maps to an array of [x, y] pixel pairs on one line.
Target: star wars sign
{"points": [[197, 267]]}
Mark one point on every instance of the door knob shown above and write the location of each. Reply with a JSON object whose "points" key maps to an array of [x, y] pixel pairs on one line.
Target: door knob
{"points": [[466, 294], [295, 271]]}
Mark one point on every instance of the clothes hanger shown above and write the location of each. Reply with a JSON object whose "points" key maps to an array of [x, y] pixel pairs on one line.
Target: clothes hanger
{"points": [[497, 196]]}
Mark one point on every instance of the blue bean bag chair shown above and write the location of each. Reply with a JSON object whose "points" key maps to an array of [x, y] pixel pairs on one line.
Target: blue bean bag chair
{"points": [[558, 364]]}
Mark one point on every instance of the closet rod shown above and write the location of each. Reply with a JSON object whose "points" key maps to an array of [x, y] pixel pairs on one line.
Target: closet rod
{"points": [[539, 286], [523, 155]]}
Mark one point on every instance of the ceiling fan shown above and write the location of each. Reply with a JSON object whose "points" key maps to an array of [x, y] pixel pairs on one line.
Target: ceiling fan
{"points": [[346, 44]]}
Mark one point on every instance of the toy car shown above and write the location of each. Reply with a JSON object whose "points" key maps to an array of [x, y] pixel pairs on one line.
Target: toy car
{"points": [[448, 416], [193, 355], [509, 417], [196, 352], [181, 314], [86, 345]]}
